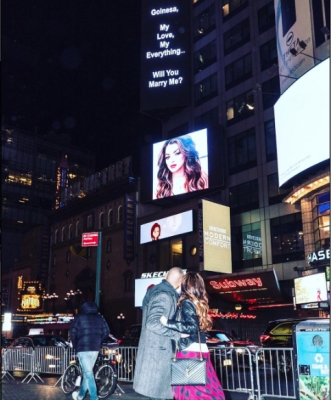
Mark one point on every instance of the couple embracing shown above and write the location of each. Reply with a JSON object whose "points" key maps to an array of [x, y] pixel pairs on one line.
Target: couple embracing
{"points": [[170, 319]]}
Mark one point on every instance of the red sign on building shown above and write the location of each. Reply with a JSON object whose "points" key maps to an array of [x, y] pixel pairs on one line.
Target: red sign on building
{"points": [[89, 239]]}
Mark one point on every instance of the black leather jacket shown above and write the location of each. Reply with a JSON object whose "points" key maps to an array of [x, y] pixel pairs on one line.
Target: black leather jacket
{"points": [[186, 322]]}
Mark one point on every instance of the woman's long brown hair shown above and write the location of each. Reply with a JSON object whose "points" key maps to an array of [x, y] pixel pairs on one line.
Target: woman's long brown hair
{"points": [[193, 288]]}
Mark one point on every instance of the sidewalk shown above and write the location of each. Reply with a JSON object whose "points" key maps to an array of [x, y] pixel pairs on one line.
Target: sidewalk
{"points": [[15, 390]]}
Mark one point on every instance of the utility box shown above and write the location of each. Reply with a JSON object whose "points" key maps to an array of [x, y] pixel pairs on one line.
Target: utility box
{"points": [[311, 339]]}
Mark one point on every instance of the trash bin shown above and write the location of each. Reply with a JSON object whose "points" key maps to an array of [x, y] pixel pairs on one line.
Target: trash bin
{"points": [[311, 339]]}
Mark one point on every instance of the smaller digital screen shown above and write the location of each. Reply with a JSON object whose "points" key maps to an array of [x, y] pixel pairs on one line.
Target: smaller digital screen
{"points": [[180, 165], [310, 289], [142, 286], [163, 228]]}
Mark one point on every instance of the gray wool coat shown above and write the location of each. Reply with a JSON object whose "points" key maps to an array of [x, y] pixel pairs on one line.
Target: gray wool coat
{"points": [[153, 365]]}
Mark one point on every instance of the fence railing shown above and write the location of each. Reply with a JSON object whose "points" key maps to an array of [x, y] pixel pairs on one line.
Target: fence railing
{"points": [[267, 373]]}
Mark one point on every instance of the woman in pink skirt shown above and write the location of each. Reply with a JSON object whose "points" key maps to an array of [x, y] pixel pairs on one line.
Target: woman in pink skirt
{"points": [[193, 319]]}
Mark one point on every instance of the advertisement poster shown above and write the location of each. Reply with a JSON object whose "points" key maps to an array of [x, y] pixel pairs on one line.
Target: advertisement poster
{"points": [[215, 237], [293, 26]]}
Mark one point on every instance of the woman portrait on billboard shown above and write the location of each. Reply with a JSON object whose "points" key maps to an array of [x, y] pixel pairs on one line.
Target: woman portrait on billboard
{"points": [[180, 168], [155, 231]]}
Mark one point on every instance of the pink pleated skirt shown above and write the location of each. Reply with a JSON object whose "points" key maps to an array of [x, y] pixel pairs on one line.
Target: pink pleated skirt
{"points": [[211, 391]]}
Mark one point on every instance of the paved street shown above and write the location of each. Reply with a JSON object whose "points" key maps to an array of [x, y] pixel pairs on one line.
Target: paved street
{"points": [[15, 390]]}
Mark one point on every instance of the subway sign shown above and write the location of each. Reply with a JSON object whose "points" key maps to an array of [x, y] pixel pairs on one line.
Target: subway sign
{"points": [[319, 256]]}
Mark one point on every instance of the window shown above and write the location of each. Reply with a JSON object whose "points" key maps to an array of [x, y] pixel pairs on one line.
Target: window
{"points": [[205, 22], [208, 119], [287, 238], [247, 246], [110, 218], [88, 252], [128, 281], [109, 246], [120, 214], [63, 234], [89, 221], [270, 140], [275, 193], [236, 36], [56, 236], [54, 261], [240, 107], [232, 7], [321, 17], [70, 231], [68, 257], [205, 56], [206, 89], [321, 220], [242, 151], [238, 71], [266, 17], [268, 53], [244, 197], [78, 229], [101, 220], [270, 92]]}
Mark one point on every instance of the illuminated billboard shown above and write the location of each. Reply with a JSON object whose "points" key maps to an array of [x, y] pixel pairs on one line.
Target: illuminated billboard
{"points": [[165, 54], [180, 165], [302, 123], [163, 228], [293, 26], [310, 289], [214, 234]]}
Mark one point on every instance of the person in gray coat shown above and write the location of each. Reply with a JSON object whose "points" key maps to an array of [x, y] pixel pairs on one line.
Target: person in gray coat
{"points": [[153, 364]]}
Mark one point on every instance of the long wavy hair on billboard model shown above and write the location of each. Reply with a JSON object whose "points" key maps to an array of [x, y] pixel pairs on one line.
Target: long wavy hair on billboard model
{"points": [[180, 169]]}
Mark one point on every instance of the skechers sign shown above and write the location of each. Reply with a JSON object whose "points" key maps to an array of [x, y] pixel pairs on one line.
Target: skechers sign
{"points": [[165, 71], [318, 256]]}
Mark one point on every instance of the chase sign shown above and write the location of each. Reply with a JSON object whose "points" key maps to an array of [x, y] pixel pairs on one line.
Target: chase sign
{"points": [[319, 256]]}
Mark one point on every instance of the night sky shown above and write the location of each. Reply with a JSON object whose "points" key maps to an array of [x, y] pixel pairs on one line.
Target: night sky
{"points": [[73, 67]]}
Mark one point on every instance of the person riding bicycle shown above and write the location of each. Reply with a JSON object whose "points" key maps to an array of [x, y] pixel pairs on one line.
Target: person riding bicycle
{"points": [[87, 331]]}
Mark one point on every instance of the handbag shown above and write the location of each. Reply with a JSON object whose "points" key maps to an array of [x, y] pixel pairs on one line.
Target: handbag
{"points": [[188, 371]]}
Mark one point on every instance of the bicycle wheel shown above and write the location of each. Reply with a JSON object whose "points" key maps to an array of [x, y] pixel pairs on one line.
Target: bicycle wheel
{"points": [[69, 378], [106, 380]]}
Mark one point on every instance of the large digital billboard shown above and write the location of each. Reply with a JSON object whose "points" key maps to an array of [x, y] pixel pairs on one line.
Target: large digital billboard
{"points": [[163, 228], [293, 26], [214, 236], [180, 165], [302, 123], [165, 56]]}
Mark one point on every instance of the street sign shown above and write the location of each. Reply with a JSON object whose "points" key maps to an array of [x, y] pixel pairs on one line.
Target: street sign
{"points": [[89, 239]]}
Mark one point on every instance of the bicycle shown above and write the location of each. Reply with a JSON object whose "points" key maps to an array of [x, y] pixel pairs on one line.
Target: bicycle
{"points": [[105, 373]]}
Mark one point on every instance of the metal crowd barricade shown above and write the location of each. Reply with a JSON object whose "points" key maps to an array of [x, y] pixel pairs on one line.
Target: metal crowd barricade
{"points": [[126, 358], [275, 375], [46, 360]]}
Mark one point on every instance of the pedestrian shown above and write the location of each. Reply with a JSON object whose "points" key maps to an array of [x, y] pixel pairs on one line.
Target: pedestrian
{"points": [[87, 331], [194, 320], [153, 365]]}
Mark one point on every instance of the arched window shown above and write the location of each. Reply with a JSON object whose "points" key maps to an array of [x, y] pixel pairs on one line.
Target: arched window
{"points": [[120, 214], [63, 234], [78, 228], [128, 281], [56, 236], [101, 220], [110, 218], [70, 231], [89, 221]]}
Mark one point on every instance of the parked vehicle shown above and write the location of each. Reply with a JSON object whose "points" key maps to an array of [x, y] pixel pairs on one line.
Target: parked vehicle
{"points": [[239, 352], [38, 340], [279, 334], [131, 337]]}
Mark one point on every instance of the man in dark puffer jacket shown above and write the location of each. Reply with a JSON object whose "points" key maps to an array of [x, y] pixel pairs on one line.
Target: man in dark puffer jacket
{"points": [[87, 331]]}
